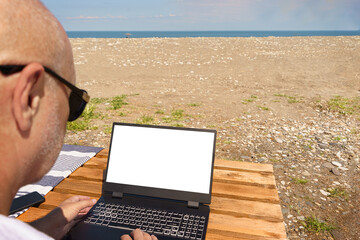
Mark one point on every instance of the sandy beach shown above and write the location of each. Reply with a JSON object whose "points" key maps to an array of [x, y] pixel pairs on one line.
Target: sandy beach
{"points": [[293, 102]]}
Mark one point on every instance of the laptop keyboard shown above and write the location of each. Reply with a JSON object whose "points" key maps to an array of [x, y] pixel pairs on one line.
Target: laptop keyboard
{"points": [[152, 221]]}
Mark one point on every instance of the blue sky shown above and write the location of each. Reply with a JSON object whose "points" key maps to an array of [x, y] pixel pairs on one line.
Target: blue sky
{"points": [[196, 15]]}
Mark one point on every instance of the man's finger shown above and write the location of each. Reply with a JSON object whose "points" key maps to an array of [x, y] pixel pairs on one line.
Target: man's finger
{"points": [[153, 237], [146, 236], [73, 210], [137, 234], [80, 205], [125, 237], [75, 199]]}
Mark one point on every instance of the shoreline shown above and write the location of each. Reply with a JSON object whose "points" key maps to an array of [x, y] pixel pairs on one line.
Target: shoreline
{"points": [[182, 34]]}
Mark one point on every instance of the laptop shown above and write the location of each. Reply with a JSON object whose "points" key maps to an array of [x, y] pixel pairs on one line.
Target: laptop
{"points": [[158, 179]]}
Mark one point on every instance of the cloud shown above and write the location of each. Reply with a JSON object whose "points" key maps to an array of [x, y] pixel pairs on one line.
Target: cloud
{"points": [[273, 14], [160, 16], [95, 17]]}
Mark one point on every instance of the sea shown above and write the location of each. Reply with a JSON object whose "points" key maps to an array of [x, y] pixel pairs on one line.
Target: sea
{"points": [[185, 34]]}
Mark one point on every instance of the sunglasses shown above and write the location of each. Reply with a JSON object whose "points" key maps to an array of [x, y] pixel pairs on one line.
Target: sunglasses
{"points": [[78, 97]]}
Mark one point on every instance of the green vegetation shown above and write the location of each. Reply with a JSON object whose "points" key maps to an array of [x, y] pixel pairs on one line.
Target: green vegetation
{"points": [[89, 114], [80, 125], [97, 100], [177, 114], [122, 114], [289, 98], [194, 104], [273, 160], [338, 193], [177, 125], [167, 119], [227, 142], [338, 138], [299, 180], [249, 100], [263, 108], [315, 225], [145, 120], [344, 105], [159, 112], [107, 129], [118, 101], [83, 123], [292, 100]]}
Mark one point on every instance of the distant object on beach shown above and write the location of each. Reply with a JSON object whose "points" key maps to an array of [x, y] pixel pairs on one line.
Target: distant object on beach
{"points": [[127, 35]]}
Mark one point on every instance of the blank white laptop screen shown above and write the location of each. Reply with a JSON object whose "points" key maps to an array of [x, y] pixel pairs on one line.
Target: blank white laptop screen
{"points": [[161, 158]]}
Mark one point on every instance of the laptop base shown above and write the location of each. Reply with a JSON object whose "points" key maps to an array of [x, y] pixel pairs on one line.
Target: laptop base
{"points": [[103, 229]]}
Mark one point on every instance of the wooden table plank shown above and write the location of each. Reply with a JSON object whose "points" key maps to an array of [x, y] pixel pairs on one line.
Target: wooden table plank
{"points": [[244, 178], [96, 162], [214, 236], [245, 202], [243, 166], [250, 209], [245, 192], [226, 225], [79, 187], [89, 174]]}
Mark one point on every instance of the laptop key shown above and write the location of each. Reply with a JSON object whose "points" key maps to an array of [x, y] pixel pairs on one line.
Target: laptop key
{"points": [[167, 232], [93, 221], [99, 221]]}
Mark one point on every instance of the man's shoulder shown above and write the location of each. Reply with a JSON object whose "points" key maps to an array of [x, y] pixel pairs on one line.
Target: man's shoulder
{"points": [[11, 228]]}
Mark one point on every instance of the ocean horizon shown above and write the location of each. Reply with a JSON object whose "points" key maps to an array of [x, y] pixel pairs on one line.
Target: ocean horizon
{"points": [[185, 34]]}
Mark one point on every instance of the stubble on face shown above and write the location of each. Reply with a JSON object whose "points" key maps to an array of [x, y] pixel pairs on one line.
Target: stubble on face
{"points": [[52, 138]]}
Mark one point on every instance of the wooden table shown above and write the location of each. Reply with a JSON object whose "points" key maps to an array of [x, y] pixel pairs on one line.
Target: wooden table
{"points": [[245, 203]]}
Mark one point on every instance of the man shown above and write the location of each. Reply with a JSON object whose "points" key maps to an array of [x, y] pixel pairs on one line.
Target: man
{"points": [[35, 59]]}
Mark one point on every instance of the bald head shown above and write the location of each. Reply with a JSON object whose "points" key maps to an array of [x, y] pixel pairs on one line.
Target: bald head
{"points": [[33, 104], [30, 33]]}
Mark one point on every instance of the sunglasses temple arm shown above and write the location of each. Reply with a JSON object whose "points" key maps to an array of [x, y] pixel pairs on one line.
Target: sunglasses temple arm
{"points": [[85, 97]]}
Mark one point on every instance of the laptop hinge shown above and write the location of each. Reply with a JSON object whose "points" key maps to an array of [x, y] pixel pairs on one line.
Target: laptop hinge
{"points": [[192, 204], [117, 195]]}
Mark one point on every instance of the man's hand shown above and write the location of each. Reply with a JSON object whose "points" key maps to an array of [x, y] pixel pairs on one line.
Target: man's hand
{"points": [[59, 221], [138, 235]]}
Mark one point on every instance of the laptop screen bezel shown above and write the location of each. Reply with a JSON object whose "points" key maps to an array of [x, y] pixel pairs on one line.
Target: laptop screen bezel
{"points": [[203, 198]]}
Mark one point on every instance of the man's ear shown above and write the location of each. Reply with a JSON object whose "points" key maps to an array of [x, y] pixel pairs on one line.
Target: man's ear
{"points": [[27, 93]]}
